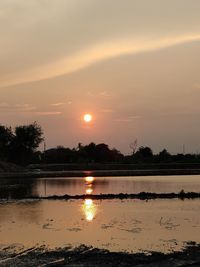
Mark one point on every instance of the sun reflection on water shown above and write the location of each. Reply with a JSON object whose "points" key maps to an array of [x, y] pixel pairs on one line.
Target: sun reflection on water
{"points": [[89, 191], [89, 209], [89, 179], [89, 184]]}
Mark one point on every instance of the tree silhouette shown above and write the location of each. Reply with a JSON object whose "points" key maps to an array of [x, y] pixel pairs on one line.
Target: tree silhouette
{"points": [[6, 136], [133, 146], [164, 156], [24, 143], [144, 154]]}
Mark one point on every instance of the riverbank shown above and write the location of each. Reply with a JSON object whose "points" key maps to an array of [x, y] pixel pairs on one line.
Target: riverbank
{"points": [[9, 170], [112, 166], [97, 173], [83, 256]]}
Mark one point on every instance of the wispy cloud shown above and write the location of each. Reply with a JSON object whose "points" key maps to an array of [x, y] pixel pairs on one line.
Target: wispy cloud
{"points": [[4, 105], [156, 116], [16, 107], [57, 104], [47, 113], [122, 120], [104, 94], [107, 111], [27, 109], [128, 119], [95, 54]]}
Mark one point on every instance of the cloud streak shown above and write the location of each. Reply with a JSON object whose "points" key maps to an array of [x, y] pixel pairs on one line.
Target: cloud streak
{"points": [[95, 54], [58, 104], [47, 113], [6, 107], [26, 109]]}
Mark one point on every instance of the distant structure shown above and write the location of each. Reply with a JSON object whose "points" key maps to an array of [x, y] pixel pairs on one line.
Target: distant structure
{"points": [[133, 146]]}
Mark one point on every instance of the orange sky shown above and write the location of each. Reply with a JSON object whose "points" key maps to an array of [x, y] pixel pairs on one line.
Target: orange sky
{"points": [[133, 64]]}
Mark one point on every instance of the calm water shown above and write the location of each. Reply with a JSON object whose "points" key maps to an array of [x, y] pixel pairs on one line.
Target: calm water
{"points": [[96, 185], [130, 225]]}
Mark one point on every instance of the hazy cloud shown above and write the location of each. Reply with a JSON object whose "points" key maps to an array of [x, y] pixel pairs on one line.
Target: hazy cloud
{"points": [[45, 38], [94, 54]]}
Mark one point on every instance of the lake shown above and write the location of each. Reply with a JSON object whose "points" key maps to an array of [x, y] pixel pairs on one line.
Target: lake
{"points": [[129, 225], [118, 225], [16, 188]]}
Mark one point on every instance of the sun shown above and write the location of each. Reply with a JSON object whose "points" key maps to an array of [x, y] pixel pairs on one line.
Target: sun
{"points": [[87, 117]]}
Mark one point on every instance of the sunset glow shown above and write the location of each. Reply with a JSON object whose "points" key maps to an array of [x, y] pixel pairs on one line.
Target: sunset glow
{"points": [[87, 117], [99, 101], [103, 86]]}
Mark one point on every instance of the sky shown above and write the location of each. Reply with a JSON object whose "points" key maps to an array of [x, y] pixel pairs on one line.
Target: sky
{"points": [[133, 64]]}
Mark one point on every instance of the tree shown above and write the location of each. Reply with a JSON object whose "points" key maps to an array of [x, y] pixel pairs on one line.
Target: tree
{"points": [[29, 136], [25, 141], [164, 156], [59, 154], [133, 146], [144, 154], [6, 137]]}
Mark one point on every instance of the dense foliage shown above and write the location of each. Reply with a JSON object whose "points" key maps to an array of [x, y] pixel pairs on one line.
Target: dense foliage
{"points": [[88, 153], [101, 153], [19, 145]]}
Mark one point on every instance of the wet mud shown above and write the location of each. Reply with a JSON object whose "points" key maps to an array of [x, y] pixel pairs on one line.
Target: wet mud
{"points": [[83, 256]]}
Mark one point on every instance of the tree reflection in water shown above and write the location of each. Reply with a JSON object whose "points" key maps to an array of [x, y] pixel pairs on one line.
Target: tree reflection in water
{"points": [[17, 188]]}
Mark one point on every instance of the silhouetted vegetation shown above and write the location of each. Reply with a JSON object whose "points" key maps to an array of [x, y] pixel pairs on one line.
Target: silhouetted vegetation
{"points": [[6, 137], [20, 146], [145, 155], [83, 154], [142, 195], [101, 153]]}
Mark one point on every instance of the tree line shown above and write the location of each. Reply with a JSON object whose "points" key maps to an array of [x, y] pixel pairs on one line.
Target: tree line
{"points": [[101, 153], [20, 146]]}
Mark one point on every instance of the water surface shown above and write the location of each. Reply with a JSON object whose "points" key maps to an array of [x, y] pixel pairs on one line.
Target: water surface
{"points": [[128, 225], [16, 188]]}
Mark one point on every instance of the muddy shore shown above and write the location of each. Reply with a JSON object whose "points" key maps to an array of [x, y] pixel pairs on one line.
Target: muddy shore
{"points": [[96, 169], [83, 256], [97, 173]]}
